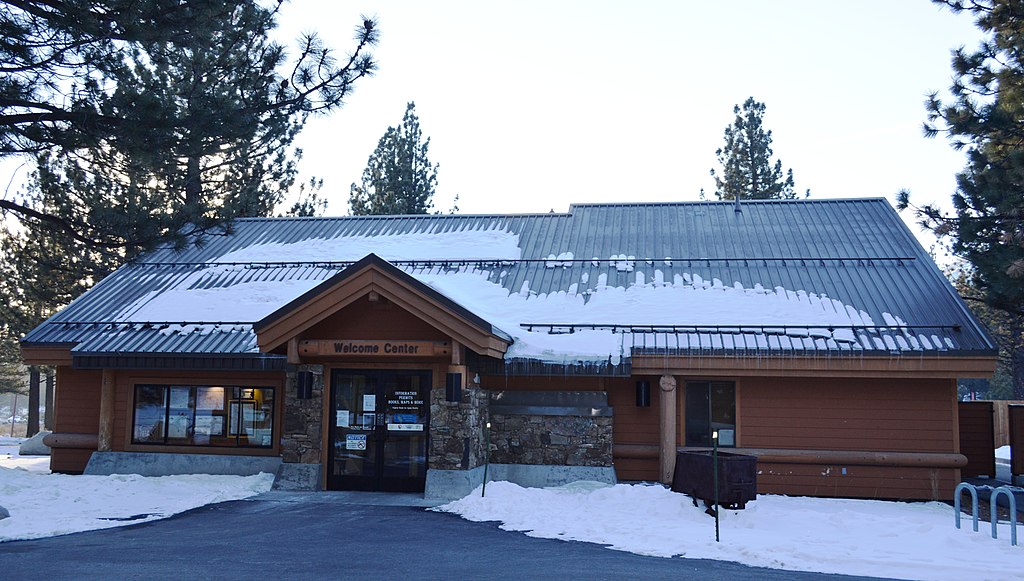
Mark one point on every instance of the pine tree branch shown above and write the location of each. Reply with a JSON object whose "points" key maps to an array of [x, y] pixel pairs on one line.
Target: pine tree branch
{"points": [[61, 224]]}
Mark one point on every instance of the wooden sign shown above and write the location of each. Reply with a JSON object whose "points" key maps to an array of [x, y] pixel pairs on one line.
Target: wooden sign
{"points": [[384, 349]]}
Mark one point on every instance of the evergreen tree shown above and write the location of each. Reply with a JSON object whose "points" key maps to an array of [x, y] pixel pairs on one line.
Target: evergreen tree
{"points": [[985, 117], [746, 159], [158, 120], [146, 122], [398, 178]]}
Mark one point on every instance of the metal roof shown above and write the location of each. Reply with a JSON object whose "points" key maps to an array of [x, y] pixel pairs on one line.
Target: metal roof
{"points": [[856, 251]]}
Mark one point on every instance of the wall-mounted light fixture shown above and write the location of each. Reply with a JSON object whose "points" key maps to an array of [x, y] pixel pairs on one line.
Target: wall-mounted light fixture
{"points": [[453, 387], [304, 385], [643, 393]]}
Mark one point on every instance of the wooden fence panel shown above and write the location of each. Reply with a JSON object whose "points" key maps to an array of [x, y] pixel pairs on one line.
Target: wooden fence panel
{"points": [[1016, 430], [1002, 420], [977, 439]]}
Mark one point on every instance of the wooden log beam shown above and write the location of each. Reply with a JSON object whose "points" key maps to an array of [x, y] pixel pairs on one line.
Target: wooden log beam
{"points": [[636, 451], [107, 391], [820, 457], [77, 441]]}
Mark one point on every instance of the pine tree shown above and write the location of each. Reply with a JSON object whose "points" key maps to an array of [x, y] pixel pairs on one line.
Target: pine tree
{"points": [[158, 120], [985, 117], [746, 159], [398, 178], [146, 123]]}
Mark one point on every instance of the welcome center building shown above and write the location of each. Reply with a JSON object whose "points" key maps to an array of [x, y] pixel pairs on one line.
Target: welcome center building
{"points": [[406, 352]]}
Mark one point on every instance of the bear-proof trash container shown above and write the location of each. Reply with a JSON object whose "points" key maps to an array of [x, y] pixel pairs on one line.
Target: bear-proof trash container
{"points": [[737, 477]]}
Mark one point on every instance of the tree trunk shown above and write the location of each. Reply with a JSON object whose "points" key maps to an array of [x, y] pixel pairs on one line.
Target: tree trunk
{"points": [[1016, 348], [33, 402], [48, 406]]}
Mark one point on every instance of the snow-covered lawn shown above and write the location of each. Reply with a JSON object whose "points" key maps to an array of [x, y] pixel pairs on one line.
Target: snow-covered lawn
{"points": [[43, 504], [855, 537]]}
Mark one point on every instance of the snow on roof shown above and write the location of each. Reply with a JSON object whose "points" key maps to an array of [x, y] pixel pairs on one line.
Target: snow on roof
{"points": [[489, 243], [816, 268]]}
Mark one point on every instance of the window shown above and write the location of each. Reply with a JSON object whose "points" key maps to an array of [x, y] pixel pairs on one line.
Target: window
{"points": [[710, 407], [204, 415]]}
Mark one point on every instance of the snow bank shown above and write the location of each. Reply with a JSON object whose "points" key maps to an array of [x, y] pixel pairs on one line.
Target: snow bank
{"points": [[44, 505], [1003, 453], [853, 537]]}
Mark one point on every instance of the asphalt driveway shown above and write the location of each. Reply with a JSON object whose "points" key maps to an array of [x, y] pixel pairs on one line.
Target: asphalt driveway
{"points": [[339, 536]]}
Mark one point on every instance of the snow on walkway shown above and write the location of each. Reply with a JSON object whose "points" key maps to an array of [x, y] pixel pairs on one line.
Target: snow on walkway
{"points": [[854, 537], [45, 505]]}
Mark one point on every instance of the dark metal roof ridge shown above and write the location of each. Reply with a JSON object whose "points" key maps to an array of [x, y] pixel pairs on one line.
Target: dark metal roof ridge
{"points": [[728, 203], [374, 260]]}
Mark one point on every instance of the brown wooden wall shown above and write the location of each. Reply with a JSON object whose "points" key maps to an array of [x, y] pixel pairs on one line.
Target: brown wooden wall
{"points": [[77, 398], [848, 414], [76, 402], [892, 415], [1015, 425], [977, 438], [382, 319]]}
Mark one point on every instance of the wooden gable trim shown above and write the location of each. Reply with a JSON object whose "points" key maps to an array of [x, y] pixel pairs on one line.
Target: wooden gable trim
{"points": [[46, 354], [371, 279], [787, 366]]}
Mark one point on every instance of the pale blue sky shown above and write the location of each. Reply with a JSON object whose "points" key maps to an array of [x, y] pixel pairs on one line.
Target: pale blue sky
{"points": [[531, 106]]}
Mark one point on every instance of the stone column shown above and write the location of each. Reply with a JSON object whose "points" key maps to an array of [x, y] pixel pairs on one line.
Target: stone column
{"points": [[667, 423], [302, 433]]}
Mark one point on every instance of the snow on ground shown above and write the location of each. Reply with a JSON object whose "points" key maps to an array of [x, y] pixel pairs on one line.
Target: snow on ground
{"points": [[45, 505], [854, 537], [11, 458], [1003, 453]]}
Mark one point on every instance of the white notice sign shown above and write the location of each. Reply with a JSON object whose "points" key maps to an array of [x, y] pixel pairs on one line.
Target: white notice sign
{"points": [[370, 403], [341, 419], [405, 427], [355, 442]]}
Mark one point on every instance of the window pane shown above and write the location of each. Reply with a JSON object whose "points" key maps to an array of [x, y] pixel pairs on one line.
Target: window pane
{"points": [[698, 426], [263, 418], [710, 407], [150, 412], [211, 418], [180, 415], [204, 415], [723, 412]]}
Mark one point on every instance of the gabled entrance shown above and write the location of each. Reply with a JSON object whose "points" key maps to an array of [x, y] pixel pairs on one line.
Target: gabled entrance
{"points": [[378, 439], [381, 340]]}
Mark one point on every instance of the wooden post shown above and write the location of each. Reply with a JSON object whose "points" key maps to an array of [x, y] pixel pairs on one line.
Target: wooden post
{"points": [[106, 434], [48, 406], [668, 428], [33, 402]]}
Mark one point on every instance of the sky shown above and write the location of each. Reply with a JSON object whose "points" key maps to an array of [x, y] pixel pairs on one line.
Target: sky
{"points": [[531, 106]]}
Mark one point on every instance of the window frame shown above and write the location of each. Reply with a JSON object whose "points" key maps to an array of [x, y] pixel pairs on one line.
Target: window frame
{"points": [[169, 445], [705, 384]]}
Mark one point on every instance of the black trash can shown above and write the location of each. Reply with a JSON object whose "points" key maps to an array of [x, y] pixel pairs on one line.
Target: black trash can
{"points": [[737, 477]]}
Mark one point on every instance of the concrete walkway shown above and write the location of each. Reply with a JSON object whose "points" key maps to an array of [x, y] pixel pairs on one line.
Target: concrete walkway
{"points": [[291, 535], [1003, 478]]}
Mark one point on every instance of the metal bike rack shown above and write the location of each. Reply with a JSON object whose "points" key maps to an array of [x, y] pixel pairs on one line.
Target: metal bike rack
{"points": [[960, 488], [993, 504], [1013, 512]]}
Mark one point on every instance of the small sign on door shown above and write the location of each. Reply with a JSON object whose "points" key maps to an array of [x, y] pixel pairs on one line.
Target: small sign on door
{"points": [[369, 403], [355, 441]]}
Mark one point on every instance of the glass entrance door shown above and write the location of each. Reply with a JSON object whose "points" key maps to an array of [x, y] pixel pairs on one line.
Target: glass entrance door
{"points": [[378, 434]]}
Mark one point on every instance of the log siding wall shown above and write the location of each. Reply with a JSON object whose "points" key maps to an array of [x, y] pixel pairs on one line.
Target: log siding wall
{"points": [[887, 415]]}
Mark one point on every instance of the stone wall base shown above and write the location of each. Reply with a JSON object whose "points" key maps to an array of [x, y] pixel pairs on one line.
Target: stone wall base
{"points": [[454, 484], [156, 464], [292, 476]]}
